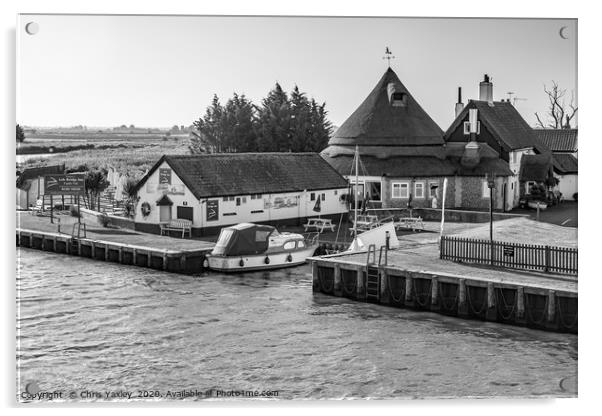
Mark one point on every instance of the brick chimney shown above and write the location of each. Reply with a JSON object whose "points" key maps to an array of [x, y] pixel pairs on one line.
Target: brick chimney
{"points": [[486, 90], [459, 104]]}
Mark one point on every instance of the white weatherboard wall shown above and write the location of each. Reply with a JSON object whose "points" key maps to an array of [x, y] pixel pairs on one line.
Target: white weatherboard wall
{"points": [[149, 193], [267, 207]]}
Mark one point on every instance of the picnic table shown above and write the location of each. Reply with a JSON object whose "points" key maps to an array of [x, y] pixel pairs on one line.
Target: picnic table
{"points": [[409, 222], [319, 224]]}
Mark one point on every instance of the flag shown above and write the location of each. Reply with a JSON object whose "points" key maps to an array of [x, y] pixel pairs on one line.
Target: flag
{"points": [[317, 206]]}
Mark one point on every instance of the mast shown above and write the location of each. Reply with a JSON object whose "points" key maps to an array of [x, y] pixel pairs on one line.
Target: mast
{"points": [[357, 161]]}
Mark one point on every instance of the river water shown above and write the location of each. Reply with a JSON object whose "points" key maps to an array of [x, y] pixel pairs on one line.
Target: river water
{"points": [[86, 328]]}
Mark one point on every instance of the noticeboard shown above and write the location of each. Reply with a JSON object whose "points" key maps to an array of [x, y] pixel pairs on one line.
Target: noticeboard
{"points": [[212, 210], [64, 185], [164, 176], [508, 251]]}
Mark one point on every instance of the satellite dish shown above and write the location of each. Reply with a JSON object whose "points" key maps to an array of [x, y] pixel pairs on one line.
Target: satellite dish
{"points": [[561, 32]]}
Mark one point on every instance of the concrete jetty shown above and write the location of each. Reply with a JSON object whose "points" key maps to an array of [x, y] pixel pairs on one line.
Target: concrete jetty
{"points": [[415, 277]]}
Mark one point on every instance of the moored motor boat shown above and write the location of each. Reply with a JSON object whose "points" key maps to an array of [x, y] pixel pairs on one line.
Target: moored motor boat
{"points": [[247, 247], [535, 204]]}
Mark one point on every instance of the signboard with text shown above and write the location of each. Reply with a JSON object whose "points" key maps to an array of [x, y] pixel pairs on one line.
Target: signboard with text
{"points": [[164, 176], [212, 210], [64, 185]]}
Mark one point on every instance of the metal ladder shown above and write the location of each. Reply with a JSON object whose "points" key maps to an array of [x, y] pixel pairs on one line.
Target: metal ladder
{"points": [[372, 273]]}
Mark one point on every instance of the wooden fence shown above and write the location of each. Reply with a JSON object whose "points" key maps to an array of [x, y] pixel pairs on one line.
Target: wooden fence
{"points": [[510, 255]]}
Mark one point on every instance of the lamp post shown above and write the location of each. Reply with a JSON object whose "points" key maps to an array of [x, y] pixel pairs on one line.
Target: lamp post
{"points": [[490, 184]]}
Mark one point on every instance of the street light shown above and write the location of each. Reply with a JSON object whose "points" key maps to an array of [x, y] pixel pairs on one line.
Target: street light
{"points": [[490, 178]]}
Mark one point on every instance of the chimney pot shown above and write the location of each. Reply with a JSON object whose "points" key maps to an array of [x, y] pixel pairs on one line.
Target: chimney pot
{"points": [[486, 90]]}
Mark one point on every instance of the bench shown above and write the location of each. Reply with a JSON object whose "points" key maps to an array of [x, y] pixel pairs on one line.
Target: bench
{"points": [[177, 225], [37, 208], [319, 224], [413, 223]]}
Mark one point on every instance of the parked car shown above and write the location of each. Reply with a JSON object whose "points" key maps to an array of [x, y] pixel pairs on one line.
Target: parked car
{"points": [[550, 198]]}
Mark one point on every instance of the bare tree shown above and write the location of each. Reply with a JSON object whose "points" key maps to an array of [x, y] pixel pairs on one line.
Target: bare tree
{"points": [[559, 113]]}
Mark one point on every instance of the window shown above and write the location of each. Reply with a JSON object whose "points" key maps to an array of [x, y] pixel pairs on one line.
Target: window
{"points": [[237, 201], [244, 199], [467, 127], [373, 191], [399, 190], [184, 213], [528, 187], [419, 189], [289, 245], [225, 199], [256, 196], [231, 198], [323, 197], [433, 189], [485, 191], [399, 99], [300, 244], [513, 157], [312, 197], [335, 191]]}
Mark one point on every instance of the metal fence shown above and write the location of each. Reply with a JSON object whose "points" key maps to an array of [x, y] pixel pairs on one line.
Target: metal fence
{"points": [[510, 255]]}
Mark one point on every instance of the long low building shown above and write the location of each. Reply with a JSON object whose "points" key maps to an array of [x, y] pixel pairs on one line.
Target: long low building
{"points": [[217, 190]]}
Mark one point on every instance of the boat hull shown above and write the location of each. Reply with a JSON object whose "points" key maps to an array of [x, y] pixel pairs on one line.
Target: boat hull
{"points": [[255, 262]]}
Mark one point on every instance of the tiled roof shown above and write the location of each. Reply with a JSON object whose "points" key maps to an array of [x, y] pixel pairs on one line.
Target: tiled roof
{"points": [[230, 174], [558, 140], [565, 163], [32, 173], [378, 123], [504, 122]]}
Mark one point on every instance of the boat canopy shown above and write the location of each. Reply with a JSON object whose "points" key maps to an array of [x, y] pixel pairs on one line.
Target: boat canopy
{"points": [[243, 239]]}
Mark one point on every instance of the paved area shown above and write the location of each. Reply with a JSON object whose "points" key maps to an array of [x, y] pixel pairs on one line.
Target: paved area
{"points": [[564, 214], [425, 258], [116, 235]]}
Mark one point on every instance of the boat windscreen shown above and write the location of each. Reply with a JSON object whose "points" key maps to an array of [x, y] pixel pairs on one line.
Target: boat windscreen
{"points": [[246, 241]]}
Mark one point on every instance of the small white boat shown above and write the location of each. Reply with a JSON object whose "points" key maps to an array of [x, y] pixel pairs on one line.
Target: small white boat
{"points": [[247, 247]]}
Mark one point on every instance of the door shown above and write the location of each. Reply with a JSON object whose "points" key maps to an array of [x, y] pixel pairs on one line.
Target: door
{"points": [[164, 213], [184, 213]]}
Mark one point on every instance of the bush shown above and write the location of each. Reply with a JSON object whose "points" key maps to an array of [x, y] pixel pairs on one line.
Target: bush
{"points": [[74, 211], [104, 220], [575, 196]]}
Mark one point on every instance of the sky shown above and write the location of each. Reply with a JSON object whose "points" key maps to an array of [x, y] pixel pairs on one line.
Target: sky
{"points": [[157, 71]]}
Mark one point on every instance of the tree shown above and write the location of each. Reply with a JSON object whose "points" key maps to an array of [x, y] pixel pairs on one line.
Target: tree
{"points": [[239, 125], [95, 182], [20, 134], [209, 135], [273, 117], [130, 193], [559, 114]]}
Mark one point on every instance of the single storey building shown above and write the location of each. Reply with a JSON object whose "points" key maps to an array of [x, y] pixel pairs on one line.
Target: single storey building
{"points": [[218, 190], [563, 144], [30, 184]]}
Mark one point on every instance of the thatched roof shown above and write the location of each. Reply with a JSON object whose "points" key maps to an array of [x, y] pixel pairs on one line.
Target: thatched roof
{"points": [[376, 122], [536, 168]]}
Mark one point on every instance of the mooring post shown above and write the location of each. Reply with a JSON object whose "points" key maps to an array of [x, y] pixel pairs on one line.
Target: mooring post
{"points": [[462, 306], [183, 263], [67, 246], [92, 249], [551, 312], [434, 293], [30, 240], [314, 276], [165, 260], [120, 254], [491, 314], [361, 295], [409, 300], [43, 243], [148, 259], [338, 289], [106, 252], [134, 255], [54, 243], [384, 291], [520, 305], [79, 247]]}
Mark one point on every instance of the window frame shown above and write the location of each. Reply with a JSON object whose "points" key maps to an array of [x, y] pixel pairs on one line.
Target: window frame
{"points": [[402, 185], [416, 189], [485, 189]]}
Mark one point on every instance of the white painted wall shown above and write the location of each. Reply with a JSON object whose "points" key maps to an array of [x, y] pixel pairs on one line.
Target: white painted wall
{"points": [[567, 185], [268, 207]]}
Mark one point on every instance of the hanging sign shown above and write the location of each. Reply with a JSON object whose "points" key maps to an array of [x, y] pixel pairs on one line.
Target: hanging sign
{"points": [[212, 210]]}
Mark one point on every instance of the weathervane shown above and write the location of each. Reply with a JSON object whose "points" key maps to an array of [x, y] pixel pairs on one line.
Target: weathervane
{"points": [[388, 56]]}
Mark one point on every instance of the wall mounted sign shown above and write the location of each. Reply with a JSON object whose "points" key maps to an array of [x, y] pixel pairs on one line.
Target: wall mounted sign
{"points": [[164, 176], [64, 185], [212, 210]]}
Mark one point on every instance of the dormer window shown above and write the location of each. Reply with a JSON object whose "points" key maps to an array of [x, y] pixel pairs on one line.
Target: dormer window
{"points": [[396, 98], [399, 99], [467, 127]]}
